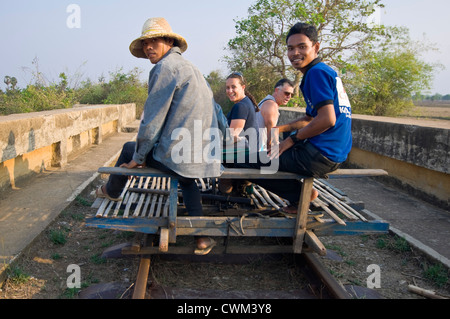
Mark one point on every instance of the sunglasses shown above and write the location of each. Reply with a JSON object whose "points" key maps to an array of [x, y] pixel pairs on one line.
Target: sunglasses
{"points": [[288, 94]]}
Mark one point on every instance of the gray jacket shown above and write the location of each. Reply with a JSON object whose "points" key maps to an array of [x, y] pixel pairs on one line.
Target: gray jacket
{"points": [[180, 121]]}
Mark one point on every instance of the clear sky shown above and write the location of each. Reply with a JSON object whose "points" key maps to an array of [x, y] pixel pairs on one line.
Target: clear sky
{"points": [[31, 29]]}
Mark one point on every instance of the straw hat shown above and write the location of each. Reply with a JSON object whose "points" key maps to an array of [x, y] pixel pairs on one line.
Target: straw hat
{"points": [[155, 28]]}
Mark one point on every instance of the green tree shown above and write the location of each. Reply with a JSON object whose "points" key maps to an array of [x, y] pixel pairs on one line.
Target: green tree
{"points": [[217, 83], [39, 96], [259, 49], [13, 83], [122, 88], [384, 81], [7, 81], [380, 66]]}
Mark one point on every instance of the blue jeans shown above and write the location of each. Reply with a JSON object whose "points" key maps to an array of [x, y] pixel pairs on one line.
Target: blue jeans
{"points": [[189, 188], [303, 159]]}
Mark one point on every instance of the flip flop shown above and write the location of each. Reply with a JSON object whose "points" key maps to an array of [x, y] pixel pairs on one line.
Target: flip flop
{"points": [[290, 209], [207, 249], [101, 194]]}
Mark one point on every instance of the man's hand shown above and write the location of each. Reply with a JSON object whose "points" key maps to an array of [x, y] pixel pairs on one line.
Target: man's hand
{"points": [[132, 164], [276, 151], [273, 138]]}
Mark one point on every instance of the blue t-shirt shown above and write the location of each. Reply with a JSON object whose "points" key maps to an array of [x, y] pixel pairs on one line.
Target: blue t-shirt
{"points": [[245, 110], [322, 86]]}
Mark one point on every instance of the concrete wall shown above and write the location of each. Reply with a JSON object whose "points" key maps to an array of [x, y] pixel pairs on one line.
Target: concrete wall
{"points": [[416, 153], [33, 142]]}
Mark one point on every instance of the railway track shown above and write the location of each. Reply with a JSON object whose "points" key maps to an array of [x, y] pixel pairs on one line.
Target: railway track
{"points": [[322, 277], [317, 282], [146, 203]]}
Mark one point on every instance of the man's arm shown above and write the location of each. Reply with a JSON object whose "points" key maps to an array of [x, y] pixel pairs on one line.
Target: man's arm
{"points": [[325, 119], [269, 112], [295, 125]]}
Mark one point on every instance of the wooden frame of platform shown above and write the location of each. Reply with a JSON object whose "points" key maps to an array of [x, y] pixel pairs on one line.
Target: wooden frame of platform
{"points": [[150, 206]]}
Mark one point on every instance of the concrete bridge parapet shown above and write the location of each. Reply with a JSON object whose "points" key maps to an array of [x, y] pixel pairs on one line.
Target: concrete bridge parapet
{"points": [[415, 152], [33, 142]]}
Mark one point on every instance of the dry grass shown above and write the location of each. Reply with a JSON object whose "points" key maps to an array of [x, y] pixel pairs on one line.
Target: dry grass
{"points": [[41, 272], [430, 110]]}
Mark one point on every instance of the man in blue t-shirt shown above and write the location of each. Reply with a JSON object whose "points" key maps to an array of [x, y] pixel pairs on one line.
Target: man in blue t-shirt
{"points": [[321, 140], [327, 124]]}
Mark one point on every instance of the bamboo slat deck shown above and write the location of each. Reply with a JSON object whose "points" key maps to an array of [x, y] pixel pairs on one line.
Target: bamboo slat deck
{"points": [[151, 202]]}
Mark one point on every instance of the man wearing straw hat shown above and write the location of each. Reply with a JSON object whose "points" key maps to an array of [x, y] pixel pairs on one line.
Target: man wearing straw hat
{"points": [[179, 99]]}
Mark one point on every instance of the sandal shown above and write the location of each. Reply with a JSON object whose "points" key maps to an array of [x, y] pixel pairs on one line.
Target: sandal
{"points": [[290, 209], [99, 193], [207, 249]]}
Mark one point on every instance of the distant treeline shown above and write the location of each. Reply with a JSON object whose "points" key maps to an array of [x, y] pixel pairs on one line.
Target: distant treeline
{"points": [[41, 96], [435, 97], [120, 88]]}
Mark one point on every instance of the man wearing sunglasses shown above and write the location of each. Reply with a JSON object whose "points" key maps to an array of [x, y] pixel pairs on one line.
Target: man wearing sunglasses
{"points": [[268, 114], [321, 140]]}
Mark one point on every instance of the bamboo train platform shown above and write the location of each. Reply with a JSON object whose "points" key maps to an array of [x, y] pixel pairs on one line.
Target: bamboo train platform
{"points": [[152, 204]]}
